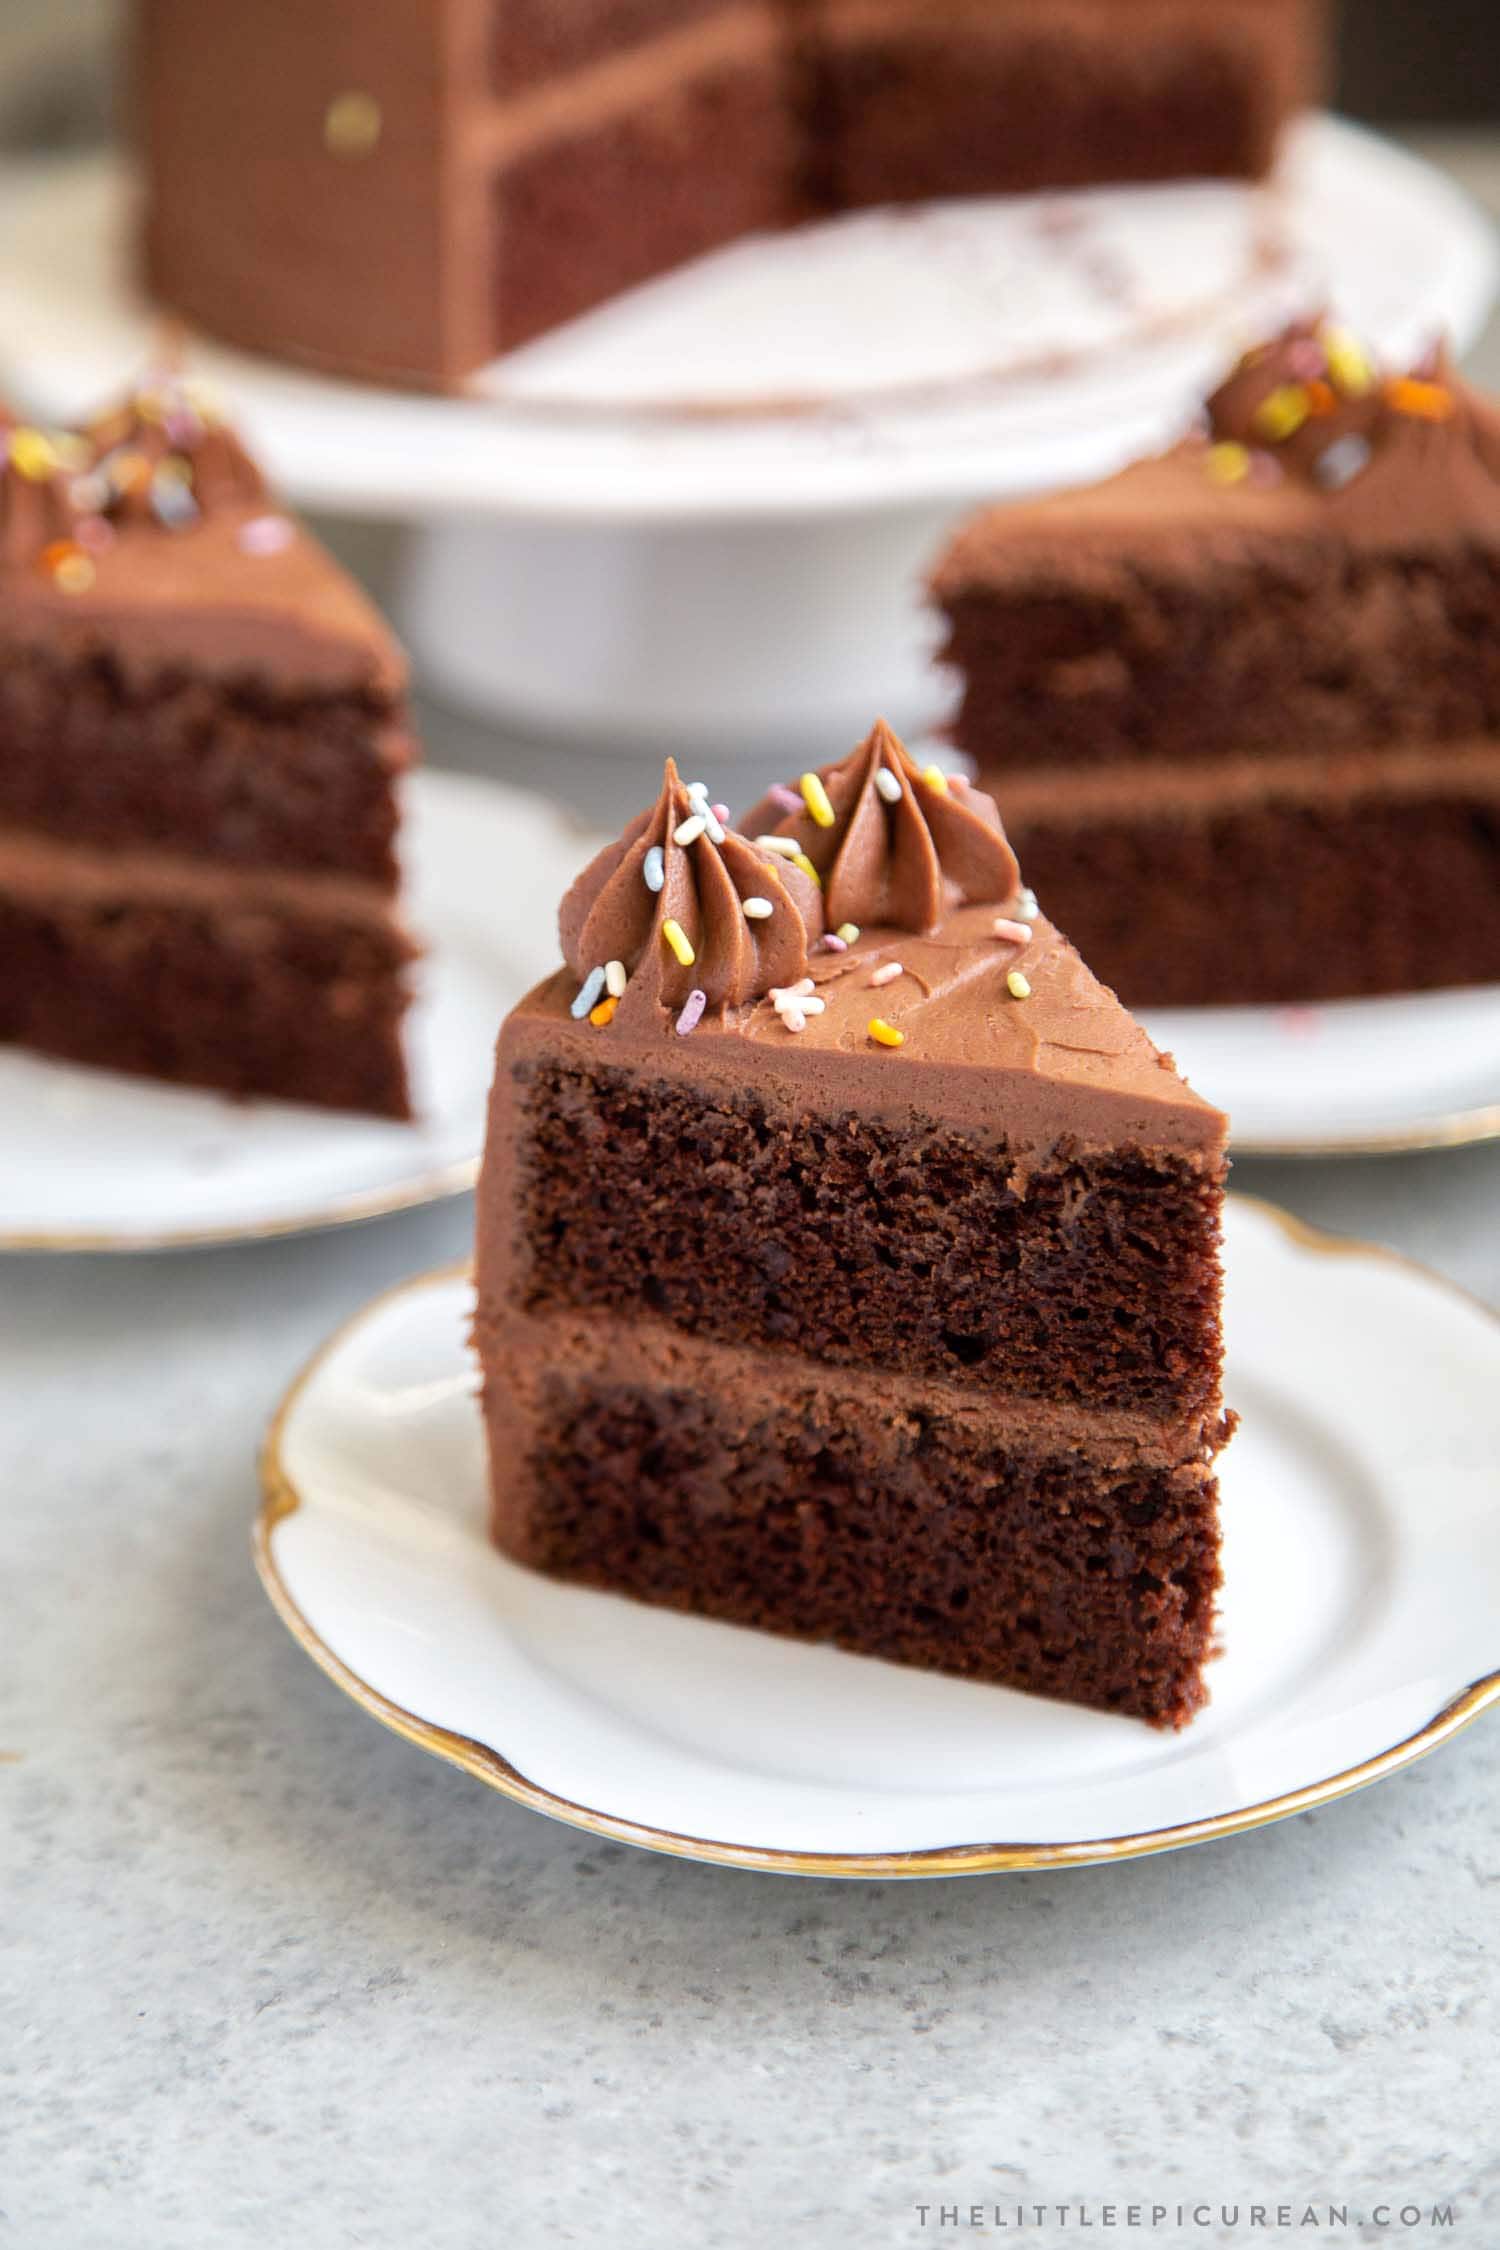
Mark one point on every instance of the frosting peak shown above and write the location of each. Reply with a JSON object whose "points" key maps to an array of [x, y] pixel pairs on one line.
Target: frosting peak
{"points": [[686, 906], [894, 846]]}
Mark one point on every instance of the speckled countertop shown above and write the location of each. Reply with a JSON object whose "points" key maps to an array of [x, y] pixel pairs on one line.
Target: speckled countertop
{"points": [[269, 1975]]}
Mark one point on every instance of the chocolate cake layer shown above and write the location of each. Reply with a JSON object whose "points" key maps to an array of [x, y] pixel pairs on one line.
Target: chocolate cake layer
{"points": [[1323, 883], [894, 1518], [536, 40], [247, 771], [581, 215], [861, 1240], [914, 100], [306, 1008]]}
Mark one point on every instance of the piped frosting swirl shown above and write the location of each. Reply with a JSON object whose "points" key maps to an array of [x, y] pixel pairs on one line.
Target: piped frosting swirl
{"points": [[668, 901], [894, 846]]}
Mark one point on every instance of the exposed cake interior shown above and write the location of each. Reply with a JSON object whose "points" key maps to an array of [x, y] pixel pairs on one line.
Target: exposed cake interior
{"points": [[914, 1347], [202, 733]]}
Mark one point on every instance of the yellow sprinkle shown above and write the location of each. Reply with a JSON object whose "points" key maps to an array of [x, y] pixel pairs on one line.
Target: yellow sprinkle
{"points": [[75, 575], [848, 931], [33, 454], [604, 1013], [676, 937], [352, 124], [1017, 986], [1429, 402], [1228, 463], [885, 1034], [935, 778], [816, 799], [800, 859], [1281, 412], [1348, 362]]}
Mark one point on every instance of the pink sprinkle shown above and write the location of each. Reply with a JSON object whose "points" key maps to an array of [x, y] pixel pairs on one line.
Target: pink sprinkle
{"points": [[887, 973], [832, 944], [264, 535], [692, 1009], [1014, 933], [793, 1018], [1265, 469], [94, 534], [1305, 359], [721, 814], [787, 799], [1301, 1022]]}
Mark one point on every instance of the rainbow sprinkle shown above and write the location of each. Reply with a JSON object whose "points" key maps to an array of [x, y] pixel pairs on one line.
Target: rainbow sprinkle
{"points": [[689, 830], [784, 799], [889, 784], [1014, 933], [831, 942], [887, 973], [1017, 986], [616, 977], [935, 778], [1228, 462], [849, 931], [1348, 362], [885, 1034], [677, 938], [1425, 402], [604, 1013], [654, 868], [692, 1011], [264, 535], [1340, 463], [1281, 412], [817, 800], [1027, 909], [588, 994], [805, 866], [757, 909], [34, 454], [784, 847]]}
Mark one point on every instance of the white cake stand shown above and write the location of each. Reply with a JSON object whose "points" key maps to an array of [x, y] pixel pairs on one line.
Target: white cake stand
{"points": [[701, 515]]}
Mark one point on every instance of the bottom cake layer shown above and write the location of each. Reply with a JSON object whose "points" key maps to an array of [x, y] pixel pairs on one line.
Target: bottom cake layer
{"points": [[1272, 893], [304, 1008], [1044, 1550]]}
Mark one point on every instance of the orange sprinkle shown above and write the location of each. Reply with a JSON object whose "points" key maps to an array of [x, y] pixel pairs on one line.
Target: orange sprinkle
{"points": [[1428, 402], [604, 1013], [1321, 397]]}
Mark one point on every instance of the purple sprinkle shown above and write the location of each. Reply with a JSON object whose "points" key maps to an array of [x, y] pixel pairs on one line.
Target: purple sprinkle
{"points": [[264, 535], [787, 800], [832, 944], [692, 1009]]}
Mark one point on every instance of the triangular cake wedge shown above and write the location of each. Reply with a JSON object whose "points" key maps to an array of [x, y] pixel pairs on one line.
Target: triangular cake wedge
{"points": [[203, 728], [848, 1259], [1242, 701]]}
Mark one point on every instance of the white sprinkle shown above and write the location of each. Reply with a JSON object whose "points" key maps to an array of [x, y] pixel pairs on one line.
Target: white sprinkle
{"points": [[654, 868], [1340, 463], [757, 909], [811, 1007], [785, 847], [780, 992], [690, 830], [588, 994], [887, 973], [793, 1019], [715, 827], [698, 792], [1027, 909], [616, 977], [888, 784]]}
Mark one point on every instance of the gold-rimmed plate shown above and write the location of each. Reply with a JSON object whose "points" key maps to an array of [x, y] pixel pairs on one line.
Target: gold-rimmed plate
{"points": [[91, 1160], [1362, 1560], [1420, 1070]]}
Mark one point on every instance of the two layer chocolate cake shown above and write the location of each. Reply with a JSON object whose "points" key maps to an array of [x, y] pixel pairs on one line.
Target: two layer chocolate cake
{"points": [[202, 730], [1243, 701], [403, 191], [848, 1261]]}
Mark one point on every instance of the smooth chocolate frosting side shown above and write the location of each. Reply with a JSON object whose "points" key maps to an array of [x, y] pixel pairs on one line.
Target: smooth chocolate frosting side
{"points": [[898, 859]]}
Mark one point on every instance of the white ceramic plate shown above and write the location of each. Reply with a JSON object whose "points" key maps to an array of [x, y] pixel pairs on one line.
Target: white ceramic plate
{"points": [[1361, 1611], [90, 1160], [1355, 1078], [892, 358]]}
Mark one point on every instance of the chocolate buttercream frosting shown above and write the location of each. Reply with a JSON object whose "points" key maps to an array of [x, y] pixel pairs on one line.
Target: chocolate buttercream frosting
{"points": [[894, 847], [669, 903]]}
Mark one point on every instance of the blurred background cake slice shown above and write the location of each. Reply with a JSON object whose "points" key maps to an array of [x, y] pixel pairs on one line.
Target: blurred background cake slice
{"points": [[204, 726], [1243, 700]]}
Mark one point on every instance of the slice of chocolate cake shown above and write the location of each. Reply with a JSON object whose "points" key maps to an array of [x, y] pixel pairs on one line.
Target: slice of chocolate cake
{"points": [[1243, 700], [848, 1261], [202, 729]]}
